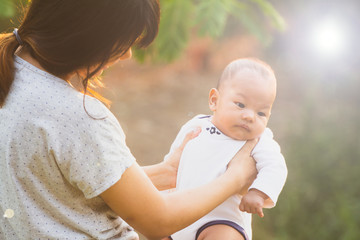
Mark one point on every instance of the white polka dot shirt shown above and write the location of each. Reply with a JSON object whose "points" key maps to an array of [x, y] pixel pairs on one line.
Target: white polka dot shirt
{"points": [[55, 160]]}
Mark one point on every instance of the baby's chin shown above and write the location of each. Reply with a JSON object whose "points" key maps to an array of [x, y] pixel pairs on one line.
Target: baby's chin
{"points": [[244, 137]]}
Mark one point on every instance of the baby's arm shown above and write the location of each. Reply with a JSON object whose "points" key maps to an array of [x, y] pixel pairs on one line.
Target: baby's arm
{"points": [[253, 202], [272, 172]]}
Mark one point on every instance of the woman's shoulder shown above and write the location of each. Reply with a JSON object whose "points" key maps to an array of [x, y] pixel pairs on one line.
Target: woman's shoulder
{"points": [[39, 89], [43, 99]]}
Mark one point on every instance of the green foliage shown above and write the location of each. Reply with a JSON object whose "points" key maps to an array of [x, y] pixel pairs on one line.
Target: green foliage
{"points": [[271, 12], [211, 16], [174, 30], [7, 8], [249, 18], [207, 18]]}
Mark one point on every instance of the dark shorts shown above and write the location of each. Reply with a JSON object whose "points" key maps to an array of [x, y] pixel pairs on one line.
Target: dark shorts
{"points": [[223, 222]]}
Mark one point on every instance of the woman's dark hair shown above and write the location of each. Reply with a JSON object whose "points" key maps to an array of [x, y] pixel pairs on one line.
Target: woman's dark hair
{"points": [[67, 35]]}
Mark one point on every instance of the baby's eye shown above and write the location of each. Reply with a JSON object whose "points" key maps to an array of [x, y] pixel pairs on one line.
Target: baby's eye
{"points": [[261, 114], [240, 105]]}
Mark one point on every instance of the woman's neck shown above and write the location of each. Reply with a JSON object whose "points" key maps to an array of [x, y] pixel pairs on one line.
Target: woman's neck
{"points": [[27, 57]]}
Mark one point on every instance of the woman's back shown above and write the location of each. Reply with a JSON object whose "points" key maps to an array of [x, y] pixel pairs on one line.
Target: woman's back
{"points": [[45, 168]]}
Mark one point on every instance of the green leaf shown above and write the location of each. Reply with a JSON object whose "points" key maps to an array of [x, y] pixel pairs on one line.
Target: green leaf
{"points": [[7, 8], [249, 19], [139, 54], [211, 16], [207, 17], [271, 12], [174, 30]]}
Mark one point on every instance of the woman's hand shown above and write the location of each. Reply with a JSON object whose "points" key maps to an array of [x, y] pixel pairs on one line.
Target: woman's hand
{"points": [[163, 175], [172, 161], [243, 166]]}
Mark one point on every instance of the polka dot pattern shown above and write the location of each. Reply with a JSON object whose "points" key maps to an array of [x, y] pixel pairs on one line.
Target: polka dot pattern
{"points": [[55, 160]]}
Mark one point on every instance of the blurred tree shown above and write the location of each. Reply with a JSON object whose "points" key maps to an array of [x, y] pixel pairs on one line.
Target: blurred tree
{"points": [[10, 10], [208, 18], [7, 8]]}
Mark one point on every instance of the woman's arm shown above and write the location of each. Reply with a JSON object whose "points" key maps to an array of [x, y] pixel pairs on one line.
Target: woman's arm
{"points": [[162, 175], [135, 199]]}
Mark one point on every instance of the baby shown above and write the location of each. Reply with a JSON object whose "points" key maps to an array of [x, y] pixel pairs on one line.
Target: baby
{"points": [[241, 106]]}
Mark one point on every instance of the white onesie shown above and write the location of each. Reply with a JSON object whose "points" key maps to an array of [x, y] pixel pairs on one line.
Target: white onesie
{"points": [[206, 157]]}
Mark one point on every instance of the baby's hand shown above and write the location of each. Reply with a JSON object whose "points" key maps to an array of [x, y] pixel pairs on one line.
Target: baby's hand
{"points": [[253, 202]]}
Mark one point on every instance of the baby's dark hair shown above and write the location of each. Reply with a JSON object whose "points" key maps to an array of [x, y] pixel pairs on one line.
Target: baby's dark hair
{"points": [[66, 35], [246, 64]]}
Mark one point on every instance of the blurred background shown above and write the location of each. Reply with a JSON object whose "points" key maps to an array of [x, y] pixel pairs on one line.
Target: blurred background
{"points": [[313, 47]]}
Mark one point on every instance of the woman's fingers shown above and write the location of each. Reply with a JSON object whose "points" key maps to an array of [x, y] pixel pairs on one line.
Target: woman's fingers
{"points": [[245, 166], [243, 156], [191, 135], [174, 158], [249, 146]]}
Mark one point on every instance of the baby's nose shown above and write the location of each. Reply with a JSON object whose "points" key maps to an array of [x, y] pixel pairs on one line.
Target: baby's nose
{"points": [[248, 115]]}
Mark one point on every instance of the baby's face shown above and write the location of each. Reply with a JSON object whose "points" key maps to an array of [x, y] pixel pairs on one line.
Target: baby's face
{"points": [[242, 105]]}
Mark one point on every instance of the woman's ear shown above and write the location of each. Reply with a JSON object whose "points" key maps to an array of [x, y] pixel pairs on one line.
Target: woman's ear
{"points": [[213, 99]]}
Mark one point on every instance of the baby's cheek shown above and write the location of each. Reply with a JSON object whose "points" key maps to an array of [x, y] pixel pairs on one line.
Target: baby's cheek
{"points": [[259, 129]]}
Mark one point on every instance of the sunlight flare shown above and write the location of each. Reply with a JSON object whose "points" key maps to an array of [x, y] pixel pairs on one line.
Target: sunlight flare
{"points": [[328, 37]]}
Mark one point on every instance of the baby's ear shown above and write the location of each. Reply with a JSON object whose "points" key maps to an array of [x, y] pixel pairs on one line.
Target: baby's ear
{"points": [[213, 98]]}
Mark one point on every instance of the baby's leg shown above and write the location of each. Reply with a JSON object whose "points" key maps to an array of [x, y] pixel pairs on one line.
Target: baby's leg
{"points": [[218, 230], [167, 238]]}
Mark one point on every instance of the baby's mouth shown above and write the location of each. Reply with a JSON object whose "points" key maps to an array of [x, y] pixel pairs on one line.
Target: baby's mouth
{"points": [[244, 126]]}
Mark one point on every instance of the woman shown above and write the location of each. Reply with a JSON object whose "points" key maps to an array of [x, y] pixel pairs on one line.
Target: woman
{"points": [[66, 172]]}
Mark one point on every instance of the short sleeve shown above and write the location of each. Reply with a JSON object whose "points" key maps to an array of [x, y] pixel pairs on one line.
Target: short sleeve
{"points": [[91, 151]]}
